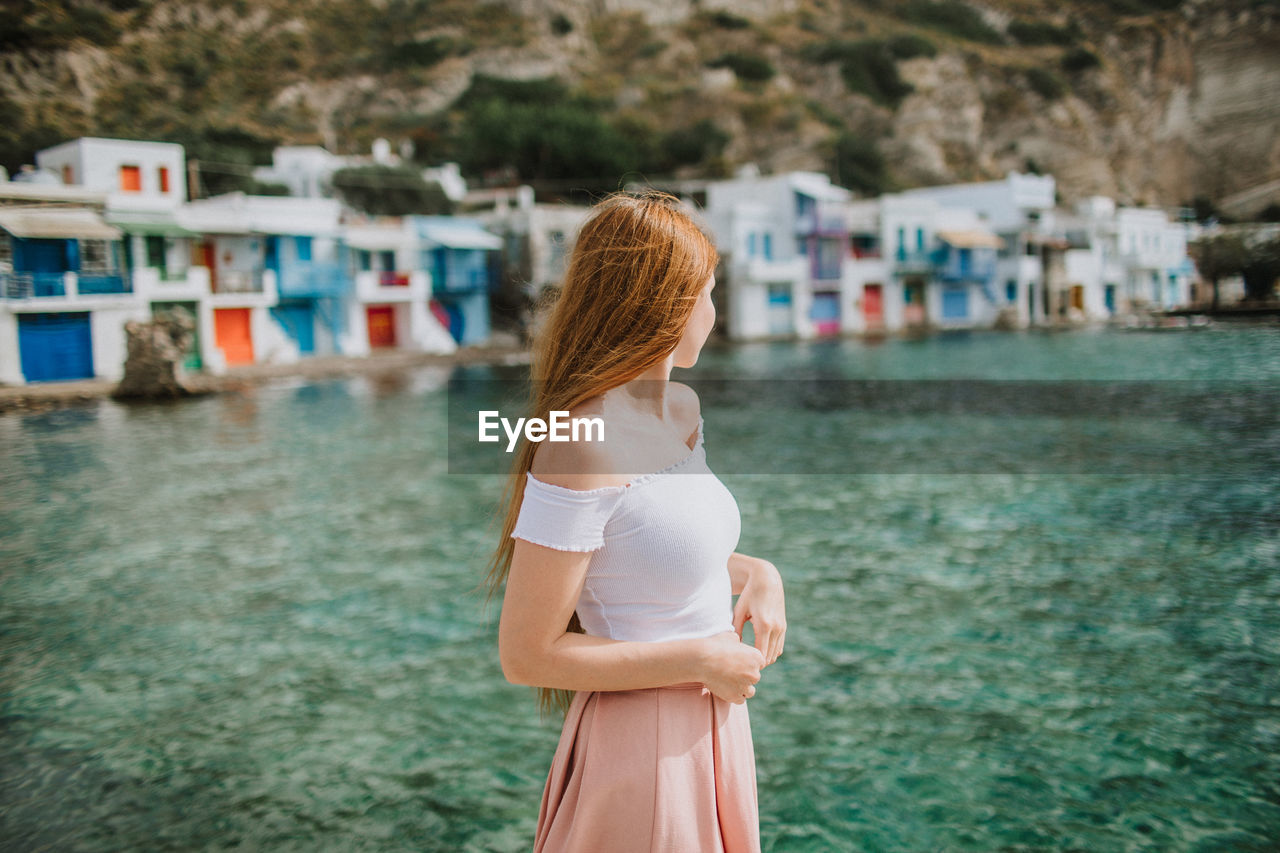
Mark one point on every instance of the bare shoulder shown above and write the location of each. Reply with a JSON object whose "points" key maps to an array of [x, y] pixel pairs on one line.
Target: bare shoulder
{"points": [[581, 465], [686, 407]]}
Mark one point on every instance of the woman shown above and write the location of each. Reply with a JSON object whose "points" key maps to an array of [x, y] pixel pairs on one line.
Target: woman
{"points": [[619, 563]]}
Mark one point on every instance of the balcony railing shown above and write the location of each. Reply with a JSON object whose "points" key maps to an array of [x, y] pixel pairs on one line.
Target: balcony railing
{"points": [[393, 279], [912, 262], [312, 280], [27, 285], [954, 267], [823, 220], [238, 281], [100, 284], [463, 281], [40, 285]]}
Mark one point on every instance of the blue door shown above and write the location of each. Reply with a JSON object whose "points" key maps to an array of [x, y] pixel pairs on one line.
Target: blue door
{"points": [[457, 321], [299, 323], [825, 313], [955, 303], [55, 346]]}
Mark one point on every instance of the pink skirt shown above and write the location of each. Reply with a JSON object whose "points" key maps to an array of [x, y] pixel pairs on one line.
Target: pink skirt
{"points": [[640, 771]]}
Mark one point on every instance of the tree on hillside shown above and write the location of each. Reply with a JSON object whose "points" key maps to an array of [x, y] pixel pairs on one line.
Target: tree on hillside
{"points": [[390, 191], [1218, 257], [1261, 268]]}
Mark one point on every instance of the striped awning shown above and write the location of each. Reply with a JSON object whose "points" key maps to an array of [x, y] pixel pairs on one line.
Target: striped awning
{"points": [[972, 239], [157, 224], [57, 224]]}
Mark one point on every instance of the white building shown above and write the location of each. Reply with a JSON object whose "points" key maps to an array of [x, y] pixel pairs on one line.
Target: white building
{"points": [[917, 263], [391, 303], [1120, 259], [1153, 255], [784, 240], [64, 299], [307, 170], [1013, 210], [536, 238]]}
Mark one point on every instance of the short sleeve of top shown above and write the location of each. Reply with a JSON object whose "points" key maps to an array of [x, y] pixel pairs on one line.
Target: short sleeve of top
{"points": [[565, 519]]}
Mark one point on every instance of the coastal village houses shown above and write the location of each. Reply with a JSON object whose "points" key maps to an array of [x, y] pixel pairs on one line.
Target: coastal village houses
{"points": [[784, 240], [102, 233], [64, 294], [803, 259]]}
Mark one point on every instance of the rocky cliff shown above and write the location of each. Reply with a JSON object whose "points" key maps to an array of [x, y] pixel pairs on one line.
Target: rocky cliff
{"points": [[1151, 101]]}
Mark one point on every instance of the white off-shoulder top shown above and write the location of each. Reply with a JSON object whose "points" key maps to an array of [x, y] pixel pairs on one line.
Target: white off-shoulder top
{"points": [[662, 542]]}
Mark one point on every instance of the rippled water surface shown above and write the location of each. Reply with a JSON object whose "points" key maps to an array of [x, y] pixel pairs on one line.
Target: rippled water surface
{"points": [[252, 621]]}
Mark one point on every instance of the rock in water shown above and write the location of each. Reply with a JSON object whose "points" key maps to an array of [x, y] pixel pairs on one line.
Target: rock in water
{"points": [[157, 347]]}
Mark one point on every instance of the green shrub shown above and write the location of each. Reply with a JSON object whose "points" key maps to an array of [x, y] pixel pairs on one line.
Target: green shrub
{"points": [[561, 25], [1080, 59], [1045, 83], [541, 130], [260, 188], [693, 144], [859, 165], [951, 17], [867, 66], [390, 191], [910, 45], [728, 21], [1139, 7], [421, 54], [1033, 33], [746, 66]]}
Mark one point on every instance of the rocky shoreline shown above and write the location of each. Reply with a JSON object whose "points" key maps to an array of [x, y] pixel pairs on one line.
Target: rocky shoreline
{"points": [[42, 396]]}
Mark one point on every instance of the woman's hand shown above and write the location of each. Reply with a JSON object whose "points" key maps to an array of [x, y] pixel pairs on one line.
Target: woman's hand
{"points": [[730, 668], [762, 602]]}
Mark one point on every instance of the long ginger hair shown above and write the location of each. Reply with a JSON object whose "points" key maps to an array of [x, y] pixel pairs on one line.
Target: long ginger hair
{"points": [[633, 279]]}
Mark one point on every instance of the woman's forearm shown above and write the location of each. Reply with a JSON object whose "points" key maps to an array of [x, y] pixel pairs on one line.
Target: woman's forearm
{"points": [[585, 662], [742, 568]]}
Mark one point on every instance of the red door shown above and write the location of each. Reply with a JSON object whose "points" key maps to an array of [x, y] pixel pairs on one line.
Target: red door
{"points": [[232, 334], [873, 306], [382, 326]]}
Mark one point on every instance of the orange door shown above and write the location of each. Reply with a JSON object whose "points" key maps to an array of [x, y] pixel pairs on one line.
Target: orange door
{"points": [[231, 333], [382, 326]]}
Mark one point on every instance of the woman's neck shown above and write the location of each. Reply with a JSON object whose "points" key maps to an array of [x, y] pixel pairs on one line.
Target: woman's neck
{"points": [[647, 393]]}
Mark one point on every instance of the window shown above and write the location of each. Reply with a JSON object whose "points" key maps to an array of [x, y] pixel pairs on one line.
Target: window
{"points": [[805, 205], [919, 239], [164, 179], [768, 247], [1010, 291], [751, 244], [802, 245], [830, 255], [902, 242], [303, 245], [67, 175], [131, 179]]}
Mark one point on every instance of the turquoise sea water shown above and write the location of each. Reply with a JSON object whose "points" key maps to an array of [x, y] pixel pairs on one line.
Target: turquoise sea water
{"points": [[251, 621]]}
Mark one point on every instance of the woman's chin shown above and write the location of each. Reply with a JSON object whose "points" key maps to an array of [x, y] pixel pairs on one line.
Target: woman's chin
{"points": [[685, 362]]}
